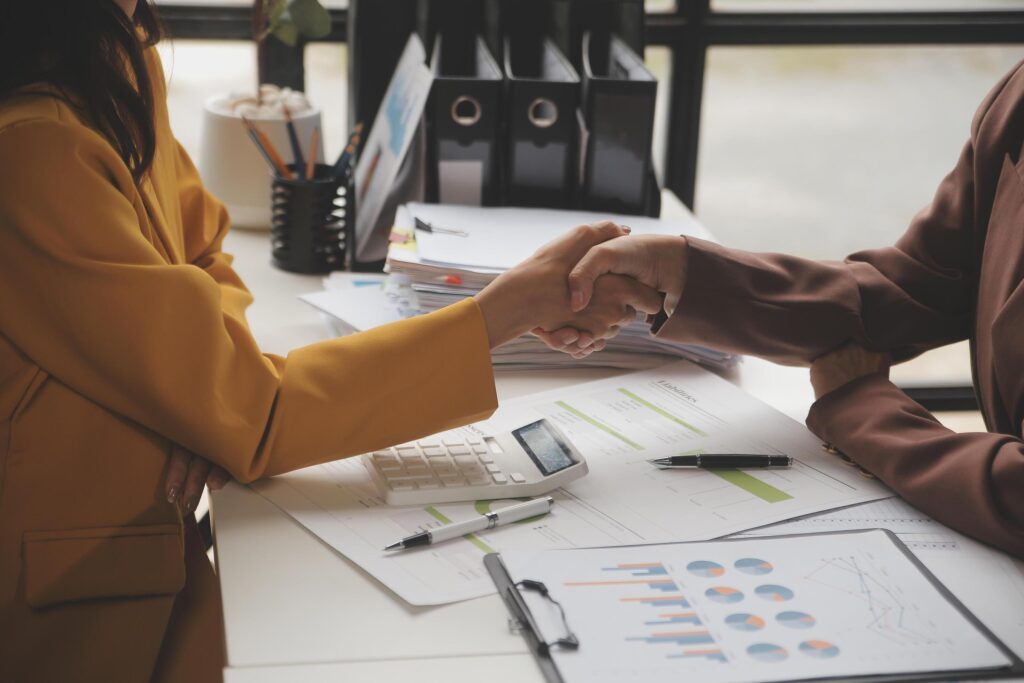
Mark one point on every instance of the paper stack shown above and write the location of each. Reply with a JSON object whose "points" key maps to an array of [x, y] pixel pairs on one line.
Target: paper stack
{"points": [[465, 250]]}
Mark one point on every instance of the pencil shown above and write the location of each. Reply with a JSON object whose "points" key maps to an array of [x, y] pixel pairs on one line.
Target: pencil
{"points": [[350, 149], [311, 163], [263, 152], [293, 138], [268, 147]]}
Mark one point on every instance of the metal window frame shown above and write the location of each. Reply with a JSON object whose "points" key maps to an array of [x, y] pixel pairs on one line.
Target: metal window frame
{"points": [[689, 31]]}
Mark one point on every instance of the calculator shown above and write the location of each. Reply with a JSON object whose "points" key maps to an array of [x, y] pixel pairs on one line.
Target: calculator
{"points": [[462, 465]]}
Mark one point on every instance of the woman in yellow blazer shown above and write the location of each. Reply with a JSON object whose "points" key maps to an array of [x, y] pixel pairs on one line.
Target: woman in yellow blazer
{"points": [[123, 340]]}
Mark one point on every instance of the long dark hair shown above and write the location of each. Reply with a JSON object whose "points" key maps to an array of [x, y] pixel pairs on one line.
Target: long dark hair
{"points": [[94, 54]]}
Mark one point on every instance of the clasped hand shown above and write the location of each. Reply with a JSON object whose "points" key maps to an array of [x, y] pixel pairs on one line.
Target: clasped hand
{"points": [[580, 289]]}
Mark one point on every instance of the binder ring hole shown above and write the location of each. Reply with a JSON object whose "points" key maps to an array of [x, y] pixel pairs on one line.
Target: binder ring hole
{"points": [[465, 110], [542, 113]]}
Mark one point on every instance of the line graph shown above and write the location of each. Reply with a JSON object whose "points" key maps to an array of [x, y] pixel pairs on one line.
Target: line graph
{"points": [[888, 614]]}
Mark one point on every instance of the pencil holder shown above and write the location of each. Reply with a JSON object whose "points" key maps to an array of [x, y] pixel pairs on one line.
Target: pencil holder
{"points": [[309, 219]]}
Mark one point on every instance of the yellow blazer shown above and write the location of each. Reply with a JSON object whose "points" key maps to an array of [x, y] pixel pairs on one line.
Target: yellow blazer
{"points": [[122, 337]]}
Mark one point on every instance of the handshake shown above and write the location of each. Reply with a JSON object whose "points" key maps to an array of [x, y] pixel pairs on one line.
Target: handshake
{"points": [[580, 289]]}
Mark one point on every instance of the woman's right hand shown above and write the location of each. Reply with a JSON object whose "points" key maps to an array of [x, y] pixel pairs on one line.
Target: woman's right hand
{"points": [[536, 294]]}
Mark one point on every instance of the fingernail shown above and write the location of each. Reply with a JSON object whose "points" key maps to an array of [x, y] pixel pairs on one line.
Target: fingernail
{"points": [[577, 300], [188, 507], [172, 494], [627, 228], [570, 337]]}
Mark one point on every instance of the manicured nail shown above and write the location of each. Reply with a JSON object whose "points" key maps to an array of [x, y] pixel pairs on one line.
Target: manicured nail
{"points": [[172, 494], [627, 229]]}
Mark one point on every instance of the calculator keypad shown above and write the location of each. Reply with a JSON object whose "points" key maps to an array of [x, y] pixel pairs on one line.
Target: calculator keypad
{"points": [[447, 462]]}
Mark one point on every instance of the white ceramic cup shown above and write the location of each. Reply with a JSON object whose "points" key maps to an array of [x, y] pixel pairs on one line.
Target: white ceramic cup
{"points": [[235, 171]]}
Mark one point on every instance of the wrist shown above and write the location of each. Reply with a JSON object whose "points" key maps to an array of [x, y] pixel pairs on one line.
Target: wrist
{"points": [[673, 259], [505, 314]]}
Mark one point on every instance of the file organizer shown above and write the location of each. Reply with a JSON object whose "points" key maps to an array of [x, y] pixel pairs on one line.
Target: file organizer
{"points": [[460, 21], [463, 119], [524, 22], [618, 110], [541, 98], [571, 19]]}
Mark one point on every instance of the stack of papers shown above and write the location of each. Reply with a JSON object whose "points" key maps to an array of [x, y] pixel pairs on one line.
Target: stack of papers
{"points": [[473, 246]]}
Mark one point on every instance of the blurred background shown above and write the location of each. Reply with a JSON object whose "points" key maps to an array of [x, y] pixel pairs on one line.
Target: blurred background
{"points": [[814, 127]]}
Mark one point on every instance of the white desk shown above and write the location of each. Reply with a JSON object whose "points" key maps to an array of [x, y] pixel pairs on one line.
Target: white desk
{"points": [[295, 609]]}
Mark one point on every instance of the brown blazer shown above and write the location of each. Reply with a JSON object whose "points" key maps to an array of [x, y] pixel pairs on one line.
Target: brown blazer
{"points": [[956, 274], [122, 337]]}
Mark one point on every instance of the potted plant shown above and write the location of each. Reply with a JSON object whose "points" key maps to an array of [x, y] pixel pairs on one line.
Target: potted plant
{"points": [[230, 165]]}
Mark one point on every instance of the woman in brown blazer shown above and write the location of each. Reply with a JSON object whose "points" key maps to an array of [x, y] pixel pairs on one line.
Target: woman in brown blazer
{"points": [[124, 344], [956, 274]]}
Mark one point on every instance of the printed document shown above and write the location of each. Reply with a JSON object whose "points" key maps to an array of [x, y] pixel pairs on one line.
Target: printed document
{"points": [[823, 606], [618, 425], [990, 583]]}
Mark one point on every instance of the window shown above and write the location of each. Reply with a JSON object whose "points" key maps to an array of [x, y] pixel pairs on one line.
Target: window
{"points": [[786, 121]]}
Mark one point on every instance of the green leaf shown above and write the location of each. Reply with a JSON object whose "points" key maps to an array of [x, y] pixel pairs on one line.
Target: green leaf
{"points": [[310, 18], [286, 32], [277, 8]]}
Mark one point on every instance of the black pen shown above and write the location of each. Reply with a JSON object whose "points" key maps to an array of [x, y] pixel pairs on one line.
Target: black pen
{"points": [[293, 137], [723, 460]]}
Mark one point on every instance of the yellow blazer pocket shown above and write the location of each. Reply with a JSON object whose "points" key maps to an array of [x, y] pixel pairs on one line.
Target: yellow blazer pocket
{"points": [[103, 562]]}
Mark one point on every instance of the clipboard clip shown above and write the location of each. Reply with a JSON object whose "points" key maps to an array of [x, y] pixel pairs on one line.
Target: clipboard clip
{"points": [[525, 622]]}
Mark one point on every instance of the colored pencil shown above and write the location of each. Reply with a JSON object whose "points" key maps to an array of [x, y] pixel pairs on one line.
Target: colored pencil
{"points": [[311, 163], [268, 148], [346, 155]]}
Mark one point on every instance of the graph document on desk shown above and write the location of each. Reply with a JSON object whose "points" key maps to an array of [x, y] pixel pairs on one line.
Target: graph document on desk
{"points": [[805, 607], [990, 583], [618, 425]]}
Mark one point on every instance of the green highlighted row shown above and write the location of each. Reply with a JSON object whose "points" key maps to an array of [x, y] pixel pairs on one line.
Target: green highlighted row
{"points": [[752, 485], [603, 427], [661, 411]]}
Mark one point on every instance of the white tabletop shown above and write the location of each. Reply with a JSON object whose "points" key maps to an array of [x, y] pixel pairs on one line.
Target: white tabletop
{"points": [[294, 609]]}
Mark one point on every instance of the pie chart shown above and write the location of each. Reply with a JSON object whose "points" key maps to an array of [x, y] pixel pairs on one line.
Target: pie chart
{"points": [[819, 649], [770, 591], [724, 594], [795, 619], [767, 652], [705, 568], [752, 565], [745, 622]]}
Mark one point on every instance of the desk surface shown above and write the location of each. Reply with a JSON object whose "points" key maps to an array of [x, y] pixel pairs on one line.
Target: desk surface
{"points": [[295, 609]]}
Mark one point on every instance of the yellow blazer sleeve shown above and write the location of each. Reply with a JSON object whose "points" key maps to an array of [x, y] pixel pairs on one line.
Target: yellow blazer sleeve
{"points": [[90, 300], [206, 224]]}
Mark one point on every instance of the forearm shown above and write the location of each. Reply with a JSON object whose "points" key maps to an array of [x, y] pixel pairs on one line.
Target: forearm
{"points": [[783, 308], [970, 482], [791, 310], [377, 388]]}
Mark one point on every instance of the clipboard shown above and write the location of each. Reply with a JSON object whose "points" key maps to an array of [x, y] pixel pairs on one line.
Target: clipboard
{"points": [[522, 620]]}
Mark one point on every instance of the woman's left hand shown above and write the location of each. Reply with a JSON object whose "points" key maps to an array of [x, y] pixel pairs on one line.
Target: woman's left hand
{"points": [[845, 364], [186, 475]]}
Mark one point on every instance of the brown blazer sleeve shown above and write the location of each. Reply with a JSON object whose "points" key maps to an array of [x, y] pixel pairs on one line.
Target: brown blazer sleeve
{"points": [[972, 482], [905, 299]]}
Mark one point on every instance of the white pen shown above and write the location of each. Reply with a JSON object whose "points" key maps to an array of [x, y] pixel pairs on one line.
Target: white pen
{"points": [[507, 515]]}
